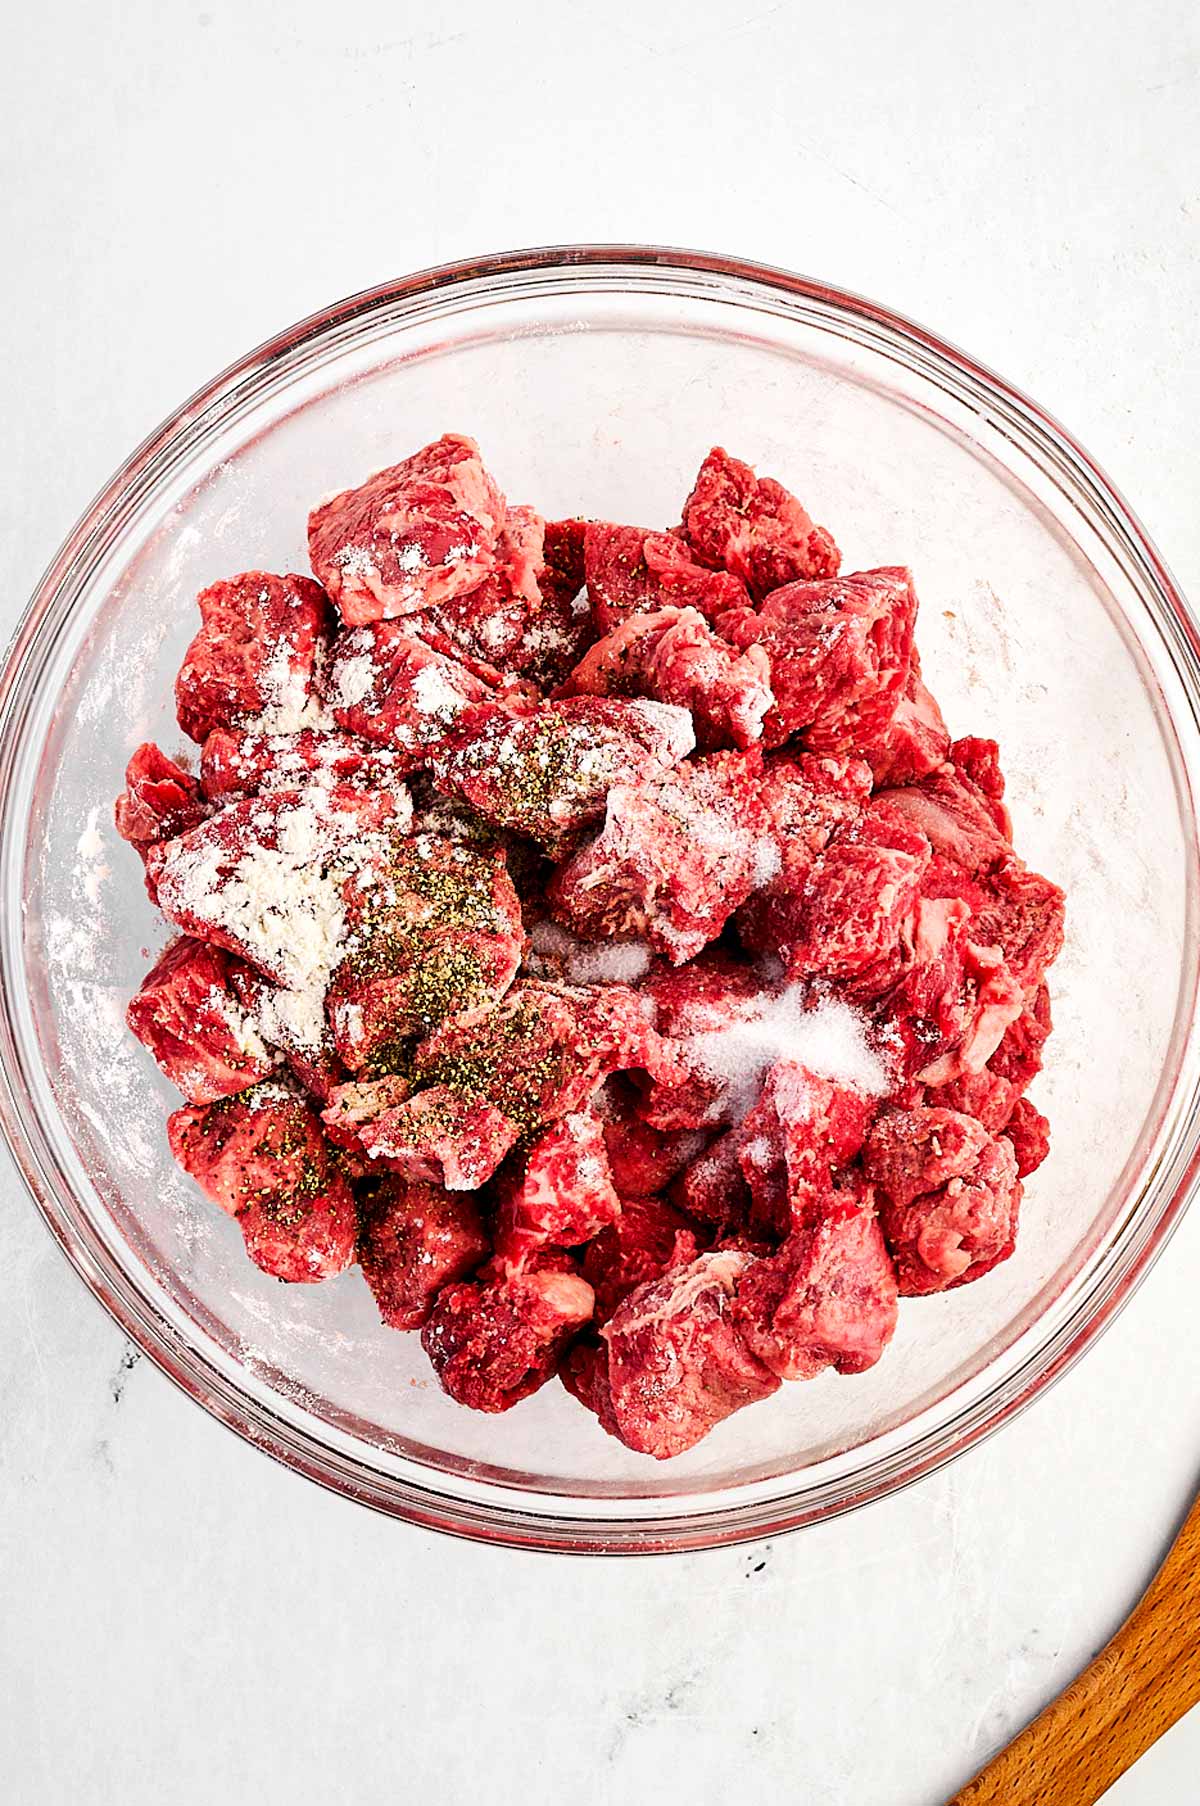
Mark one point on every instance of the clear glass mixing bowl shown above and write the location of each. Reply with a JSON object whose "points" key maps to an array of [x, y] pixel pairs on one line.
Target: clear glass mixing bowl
{"points": [[595, 380]]}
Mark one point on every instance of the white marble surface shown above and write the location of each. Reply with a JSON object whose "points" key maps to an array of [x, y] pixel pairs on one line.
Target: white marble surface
{"points": [[181, 1619]]}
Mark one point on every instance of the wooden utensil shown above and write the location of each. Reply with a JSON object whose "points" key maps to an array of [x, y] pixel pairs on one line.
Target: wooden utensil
{"points": [[1139, 1684]]}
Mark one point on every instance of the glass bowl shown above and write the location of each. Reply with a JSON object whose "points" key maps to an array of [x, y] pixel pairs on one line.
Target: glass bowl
{"points": [[595, 380]]}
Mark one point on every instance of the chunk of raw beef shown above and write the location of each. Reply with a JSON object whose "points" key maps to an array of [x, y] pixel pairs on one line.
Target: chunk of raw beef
{"points": [[752, 527], [413, 535], [493, 1344], [520, 621], [435, 1136], [159, 801], [549, 773], [264, 877], [839, 652], [413, 1240], [189, 1016], [852, 909], [949, 1196], [674, 656], [235, 763], [676, 856], [563, 1196], [256, 656], [1029, 1133], [435, 932], [543, 1051], [387, 686], [677, 1361], [827, 1299], [262, 1157]]}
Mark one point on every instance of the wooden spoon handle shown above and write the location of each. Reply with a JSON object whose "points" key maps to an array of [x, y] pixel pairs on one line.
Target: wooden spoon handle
{"points": [[1139, 1684]]}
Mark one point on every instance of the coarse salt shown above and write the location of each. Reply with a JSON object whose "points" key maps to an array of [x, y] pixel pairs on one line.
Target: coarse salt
{"points": [[829, 1038], [556, 953]]}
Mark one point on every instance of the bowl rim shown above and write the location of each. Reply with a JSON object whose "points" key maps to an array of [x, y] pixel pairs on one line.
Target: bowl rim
{"points": [[508, 1525]]}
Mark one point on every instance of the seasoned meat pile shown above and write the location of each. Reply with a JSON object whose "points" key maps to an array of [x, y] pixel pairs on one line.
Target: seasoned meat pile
{"points": [[593, 934]]}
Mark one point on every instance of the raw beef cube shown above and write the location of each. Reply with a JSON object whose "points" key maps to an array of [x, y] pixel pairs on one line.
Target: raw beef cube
{"points": [[509, 624], [642, 1160], [1019, 1055], [563, 553], [437, 932], [584, 1373], [413, 1240], [956, 817], [827, 1299], [303, 1237], [564, 1196], [990, 1095], [800, 1131], [238, 764], [677, 1363], [979, 761], [1029, 1133], [352, 1108], [543, 1051], [909, 1152], [294, 1024], [949, 1197], [851, 912], [189, 1016], [806, 800], [492, 1345], [630, 571], [255, 657], [948, 1012], [915, 741], [415, 534], [839, 653], [486, 628], [436, 1137], [234, 1148], [751, 527], [619, 581], [675, 858], [1023, 916], [673, 655], [264, 877], [159, 801], [646, 1241], [713, 1187], [262, 1157], [549, 773], [984, 1095], [389, 687]]}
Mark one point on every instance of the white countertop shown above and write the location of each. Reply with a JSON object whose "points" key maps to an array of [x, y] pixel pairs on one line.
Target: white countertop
{"points": [[182, 1620]]}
